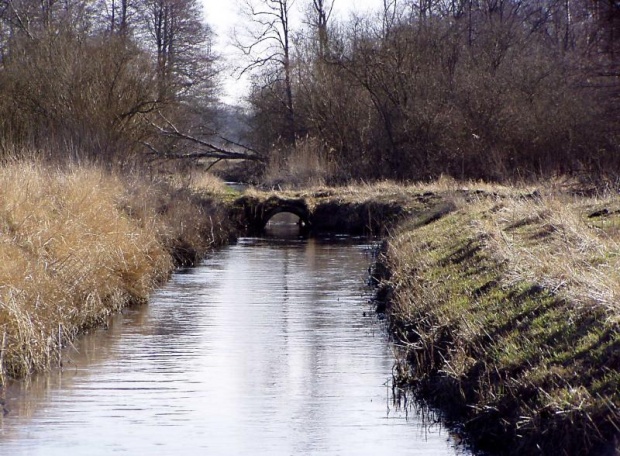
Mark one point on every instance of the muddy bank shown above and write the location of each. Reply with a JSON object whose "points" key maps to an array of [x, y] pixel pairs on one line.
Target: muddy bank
{"points": [[506, 308], [78, 244]]}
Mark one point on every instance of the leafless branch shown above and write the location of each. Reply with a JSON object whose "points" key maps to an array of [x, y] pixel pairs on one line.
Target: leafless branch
{"points": [[210, 150]]}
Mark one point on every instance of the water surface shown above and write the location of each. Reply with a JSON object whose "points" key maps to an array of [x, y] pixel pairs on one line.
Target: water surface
{"points": [[268, 348]]}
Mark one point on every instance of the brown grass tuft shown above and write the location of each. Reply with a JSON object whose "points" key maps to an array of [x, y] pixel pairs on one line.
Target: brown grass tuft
{"points": [[78, 244], [306, 165]]}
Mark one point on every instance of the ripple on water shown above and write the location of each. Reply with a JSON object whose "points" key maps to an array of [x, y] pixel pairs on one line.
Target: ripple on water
{"points": [[262, 350]]}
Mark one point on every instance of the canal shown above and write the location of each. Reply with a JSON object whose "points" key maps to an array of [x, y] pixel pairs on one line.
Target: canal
{"points": [[269, 347]]}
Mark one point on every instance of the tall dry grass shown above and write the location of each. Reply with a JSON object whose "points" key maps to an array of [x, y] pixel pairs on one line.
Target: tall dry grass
{"points": [[78, 244], [307, 164], [552, 241]]}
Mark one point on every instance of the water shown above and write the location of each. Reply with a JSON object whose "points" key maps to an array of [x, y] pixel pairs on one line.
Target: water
{"points": [[268, 348]]}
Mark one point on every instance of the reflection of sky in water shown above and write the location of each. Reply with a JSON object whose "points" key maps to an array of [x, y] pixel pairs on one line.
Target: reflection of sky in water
{"points": [[264, 350]]}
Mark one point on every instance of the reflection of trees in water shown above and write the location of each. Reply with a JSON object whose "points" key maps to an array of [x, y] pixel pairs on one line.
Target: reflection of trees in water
{"points": [[23, 398], [272, 329], [314, 283]]}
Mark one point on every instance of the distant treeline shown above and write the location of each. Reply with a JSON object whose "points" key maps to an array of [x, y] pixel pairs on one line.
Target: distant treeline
{"points": [[105, 78], [491, 89]]}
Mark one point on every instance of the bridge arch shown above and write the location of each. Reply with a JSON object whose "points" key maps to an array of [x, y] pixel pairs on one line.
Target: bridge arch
{"points": [[323, 212], [304, 216], [258, 213]]}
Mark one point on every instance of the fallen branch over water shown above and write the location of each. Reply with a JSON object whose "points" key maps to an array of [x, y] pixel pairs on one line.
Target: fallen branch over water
{"points": [[227, 149]]}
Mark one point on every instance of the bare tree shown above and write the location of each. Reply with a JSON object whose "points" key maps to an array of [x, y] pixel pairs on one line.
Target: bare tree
{"points": [[175, 32], [267, 43], [319, 14], [118, 16]]}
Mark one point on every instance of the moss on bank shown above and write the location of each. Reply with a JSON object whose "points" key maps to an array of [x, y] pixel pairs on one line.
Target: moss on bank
{"points": [[507, 309], [79, 244]]}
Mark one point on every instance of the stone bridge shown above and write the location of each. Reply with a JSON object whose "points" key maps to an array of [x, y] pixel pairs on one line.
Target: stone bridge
{"points": [[328, 211], [259, 211]]}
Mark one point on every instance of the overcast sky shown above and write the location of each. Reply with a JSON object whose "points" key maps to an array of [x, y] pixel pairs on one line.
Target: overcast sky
{"points": [[222, 16]]}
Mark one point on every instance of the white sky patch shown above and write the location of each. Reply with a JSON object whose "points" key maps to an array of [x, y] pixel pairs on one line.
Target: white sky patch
{"points": [[223, 16]]}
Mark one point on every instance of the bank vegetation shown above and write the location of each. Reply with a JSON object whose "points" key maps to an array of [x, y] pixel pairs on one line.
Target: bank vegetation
{"points": [[506, 308], [500, 90], [78, 243]]}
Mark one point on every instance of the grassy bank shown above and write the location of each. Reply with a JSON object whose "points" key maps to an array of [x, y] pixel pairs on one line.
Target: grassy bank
{"points": [[508, 310], [78, 244]]}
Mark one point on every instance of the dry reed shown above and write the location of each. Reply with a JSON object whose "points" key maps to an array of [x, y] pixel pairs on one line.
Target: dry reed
{"points": [[78, 244]]}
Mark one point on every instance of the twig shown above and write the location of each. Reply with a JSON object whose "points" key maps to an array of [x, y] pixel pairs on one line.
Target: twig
{"points": [[2, 349], [60, 345]]}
